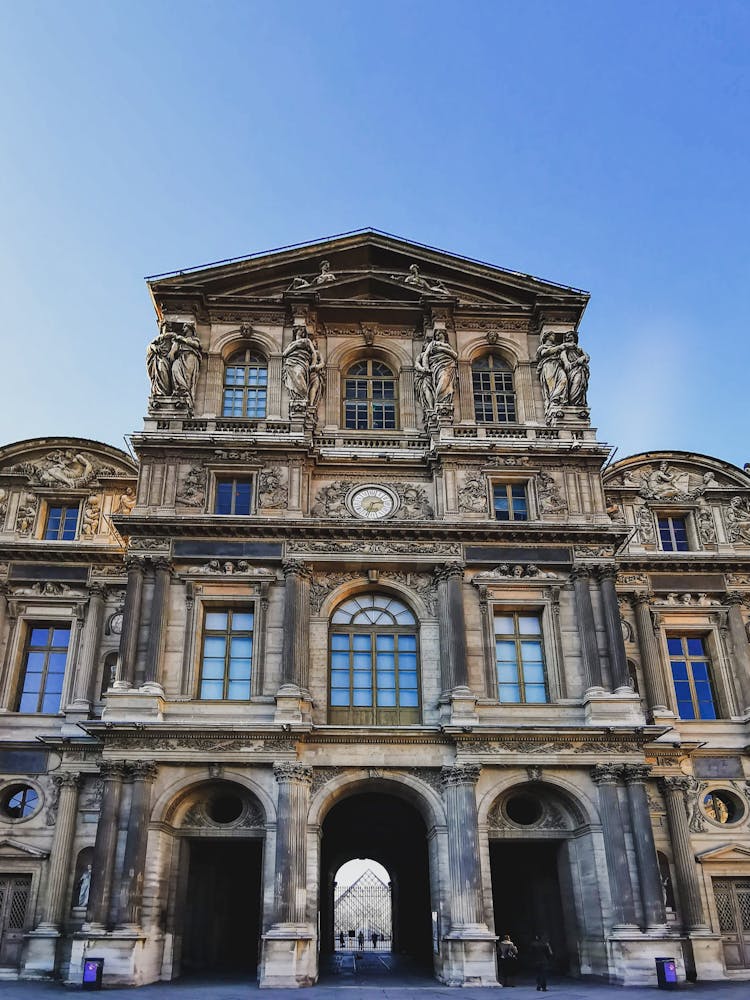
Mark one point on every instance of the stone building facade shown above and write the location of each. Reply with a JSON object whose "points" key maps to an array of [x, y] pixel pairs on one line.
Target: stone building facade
{"points": [[372, 590]]}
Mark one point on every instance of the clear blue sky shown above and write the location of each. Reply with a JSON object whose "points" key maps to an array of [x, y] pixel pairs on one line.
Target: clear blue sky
{"points": [[598, 144]]}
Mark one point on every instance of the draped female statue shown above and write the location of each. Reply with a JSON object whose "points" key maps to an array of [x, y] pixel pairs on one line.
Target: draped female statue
{"points": [[435, 373], [303, 370]]}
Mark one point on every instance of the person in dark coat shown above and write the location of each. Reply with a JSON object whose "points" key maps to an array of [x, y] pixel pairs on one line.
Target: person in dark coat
{"points": [[341, 938], [507, 955], [540, 955]]}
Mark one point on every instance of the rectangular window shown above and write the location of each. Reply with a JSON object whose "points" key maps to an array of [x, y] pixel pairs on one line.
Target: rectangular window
{"points": [[44, 658], [673, 534], [519, 657], [234, 496], [62, 523], [509, 502], [691, 674], [227, 655]]}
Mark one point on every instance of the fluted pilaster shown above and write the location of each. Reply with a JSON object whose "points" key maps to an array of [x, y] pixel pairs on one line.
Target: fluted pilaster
{"points": [[131, 622], [453, 658], [675, 789], [649, 877], [290, 896], [653, 674], [159, 616], [112, 773], [618, 661], [295, 650], [740, 646], [592, 669], [459, 783], [68, 784], [606, 776], [89, 652], [142, 774]]}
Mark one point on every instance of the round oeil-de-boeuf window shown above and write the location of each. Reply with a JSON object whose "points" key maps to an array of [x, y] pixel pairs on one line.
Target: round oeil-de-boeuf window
{"points": [[19, 802], [723, 807]]}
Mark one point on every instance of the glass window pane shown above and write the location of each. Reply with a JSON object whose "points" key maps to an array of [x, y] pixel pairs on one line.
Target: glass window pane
{"points": [[361, 678], [239, 670], [679, 670], [506, 651], [212, 690], [695, 647], [507, 673], [362, 698], [531, 651], [240, 646], [238, 690], [60, 637], [386, 679], [56, 663], [51, 704], [408, 699], [529, 625], [242, 621], [339, 641], [340, 678], [386, 698], [674, 646], [407, 642], [39, 636], [509, 692], [504, 625], [28, 702], [213, 669], [340, 697], [533, 673], [535, 693], [361, 642], [224, 497], [214, 645], [216, 621]]}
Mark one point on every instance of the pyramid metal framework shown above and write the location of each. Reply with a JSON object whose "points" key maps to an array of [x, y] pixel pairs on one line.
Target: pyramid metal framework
{"points": [[365, 906]]}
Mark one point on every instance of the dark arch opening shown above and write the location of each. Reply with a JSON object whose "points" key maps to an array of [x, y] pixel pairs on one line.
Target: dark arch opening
{"points": [[392, 832]]}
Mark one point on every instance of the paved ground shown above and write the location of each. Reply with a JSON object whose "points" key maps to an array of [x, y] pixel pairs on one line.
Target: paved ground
{"points": [[233, 990]]}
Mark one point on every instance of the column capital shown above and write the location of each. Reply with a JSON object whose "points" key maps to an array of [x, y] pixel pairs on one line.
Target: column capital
{"points": [[679, 783], [143, 770], [67, 779], [641, 598], [296, 567], [735, 598], [635, 774], [606, 571], [581, 572], [450, 570], [110, 769], [288, 771], [163, 563], [133, 562], [97, 589], [460, 774], [606, 774]]}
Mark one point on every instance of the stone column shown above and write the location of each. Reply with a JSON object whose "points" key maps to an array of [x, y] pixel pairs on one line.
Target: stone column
{"points": [[3, 610], [131, 623], [459, 781], [159, 617], [649, 877], [273, 409], [653, 673], [592, 668], [87, 657], [452, 626], [466, 393], [408, 403], [143, 774], [295, 649], [290, 891], [105, 845], [674, 789], [61, 854], [618, 661], [740, 647], [606, 777]]}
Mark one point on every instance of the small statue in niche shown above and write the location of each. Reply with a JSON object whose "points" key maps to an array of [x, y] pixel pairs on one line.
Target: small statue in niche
{"points": [[126, 502], [84, 887], [303, 370], [435, 373]]}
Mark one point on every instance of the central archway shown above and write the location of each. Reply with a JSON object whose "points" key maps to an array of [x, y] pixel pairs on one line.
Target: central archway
{"points": [[391, 831]]}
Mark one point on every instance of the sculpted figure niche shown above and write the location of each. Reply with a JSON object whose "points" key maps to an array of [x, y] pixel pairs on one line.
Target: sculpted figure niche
{"points": [[173, 361], [303, 371], [563, 370], [435, 373]]}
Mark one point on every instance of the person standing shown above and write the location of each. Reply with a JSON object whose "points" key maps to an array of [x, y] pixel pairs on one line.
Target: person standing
{"points": [[375, 939], [540, 954], [361, 940], [507, 957], [341, 938]]}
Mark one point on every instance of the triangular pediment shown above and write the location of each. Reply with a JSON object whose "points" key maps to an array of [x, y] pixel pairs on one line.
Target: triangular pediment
{"points": [[367, 266], [13, 849], [724, 854]]}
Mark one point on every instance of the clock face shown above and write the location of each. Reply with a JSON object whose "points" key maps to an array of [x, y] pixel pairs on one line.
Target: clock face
{"points": [[371, 503]]}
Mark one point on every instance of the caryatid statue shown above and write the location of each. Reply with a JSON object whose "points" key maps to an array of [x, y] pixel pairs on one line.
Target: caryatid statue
{"points": [[563, 370], [173, 361], [303, 371], [435, 373]]}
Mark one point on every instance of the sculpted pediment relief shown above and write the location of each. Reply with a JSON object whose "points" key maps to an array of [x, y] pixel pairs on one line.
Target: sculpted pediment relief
{"points": [[665, 477], [68, 465], [366, 266], [727, 853]]}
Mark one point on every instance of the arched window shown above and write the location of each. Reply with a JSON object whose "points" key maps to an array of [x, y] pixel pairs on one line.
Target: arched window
{"points": [[245, 386], [374, 662], [494, 395], [370, 397]]}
